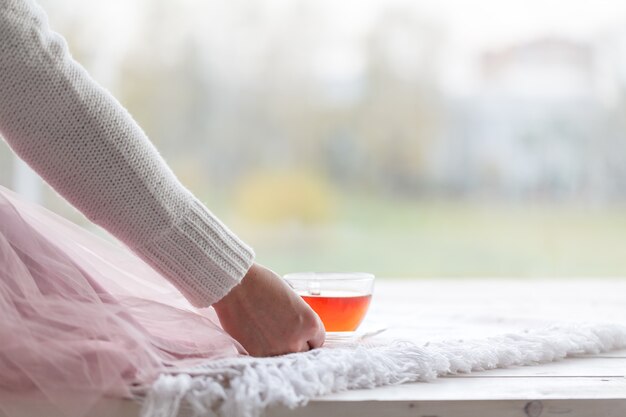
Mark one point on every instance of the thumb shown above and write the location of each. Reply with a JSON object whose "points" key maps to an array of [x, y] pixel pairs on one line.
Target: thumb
{"points": [[319, 336]]}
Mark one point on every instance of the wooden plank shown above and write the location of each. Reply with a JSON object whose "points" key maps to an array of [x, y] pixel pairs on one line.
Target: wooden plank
{"points": [[546, 408], [428, 310], [484, 408], [571, 367], [446, 397], [463, 408], [613, 354], [472, 389]]}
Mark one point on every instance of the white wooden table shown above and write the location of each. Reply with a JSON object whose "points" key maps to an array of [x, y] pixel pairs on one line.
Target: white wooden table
{"points": [[593, 385]]}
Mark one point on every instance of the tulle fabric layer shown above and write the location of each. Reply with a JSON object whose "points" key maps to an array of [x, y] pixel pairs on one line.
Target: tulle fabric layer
{"points": [[82, 319]]}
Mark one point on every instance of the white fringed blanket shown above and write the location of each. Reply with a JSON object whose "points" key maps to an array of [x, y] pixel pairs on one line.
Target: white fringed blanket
{"points": [[247, 386]]}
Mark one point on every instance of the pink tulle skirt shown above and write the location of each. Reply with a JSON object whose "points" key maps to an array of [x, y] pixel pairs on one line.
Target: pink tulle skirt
{"points": [[82, 319]]}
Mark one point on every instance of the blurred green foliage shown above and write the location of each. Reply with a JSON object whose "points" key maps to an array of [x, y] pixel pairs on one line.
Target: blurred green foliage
{"points": [[288, 196], [412, 238]]}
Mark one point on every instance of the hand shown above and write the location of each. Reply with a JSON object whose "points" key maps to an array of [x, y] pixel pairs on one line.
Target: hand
{"points": [[267, 317]]}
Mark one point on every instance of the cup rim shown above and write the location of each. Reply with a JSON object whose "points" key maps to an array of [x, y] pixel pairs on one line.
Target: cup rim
{"points": [[329, 276]]}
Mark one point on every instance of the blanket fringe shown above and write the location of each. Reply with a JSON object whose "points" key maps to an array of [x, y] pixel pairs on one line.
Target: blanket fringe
{"points": [[245, 386]]}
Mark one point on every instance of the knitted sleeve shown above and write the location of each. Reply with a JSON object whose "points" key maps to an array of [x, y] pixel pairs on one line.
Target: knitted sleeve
{"points": [[87, 146]]}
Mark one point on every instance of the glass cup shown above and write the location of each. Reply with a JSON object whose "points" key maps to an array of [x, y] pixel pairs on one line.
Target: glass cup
{"points": [[341, 299]]}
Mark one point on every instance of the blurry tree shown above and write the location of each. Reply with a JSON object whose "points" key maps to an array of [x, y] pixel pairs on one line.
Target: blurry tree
{"points": [[398, 118], [278, 197]]}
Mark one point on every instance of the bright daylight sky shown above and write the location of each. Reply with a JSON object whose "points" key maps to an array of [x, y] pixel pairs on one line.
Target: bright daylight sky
{"points": [[479, 23], [468, 26], [474, 23], [473, 26]]}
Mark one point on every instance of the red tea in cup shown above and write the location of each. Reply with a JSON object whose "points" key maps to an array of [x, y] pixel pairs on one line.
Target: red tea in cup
{"points": [[341, 300], [339, 313]]}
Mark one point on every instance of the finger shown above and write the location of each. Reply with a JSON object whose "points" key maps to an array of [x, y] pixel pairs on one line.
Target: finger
{"points": [[318, 339], [297, 346]]}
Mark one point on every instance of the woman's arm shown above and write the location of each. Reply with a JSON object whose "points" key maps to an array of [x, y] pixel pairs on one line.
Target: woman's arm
{"points": [[86, 145]]}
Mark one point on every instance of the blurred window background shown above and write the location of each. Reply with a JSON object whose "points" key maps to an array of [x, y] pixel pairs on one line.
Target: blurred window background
{"points": [[404, 138]]}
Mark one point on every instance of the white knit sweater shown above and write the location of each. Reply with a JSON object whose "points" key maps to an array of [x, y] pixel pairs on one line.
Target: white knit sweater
{"points": [[86, 145]]}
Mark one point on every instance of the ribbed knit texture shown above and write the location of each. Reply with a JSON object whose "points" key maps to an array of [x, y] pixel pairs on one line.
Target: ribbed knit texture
{"points": [[88, 147]]}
